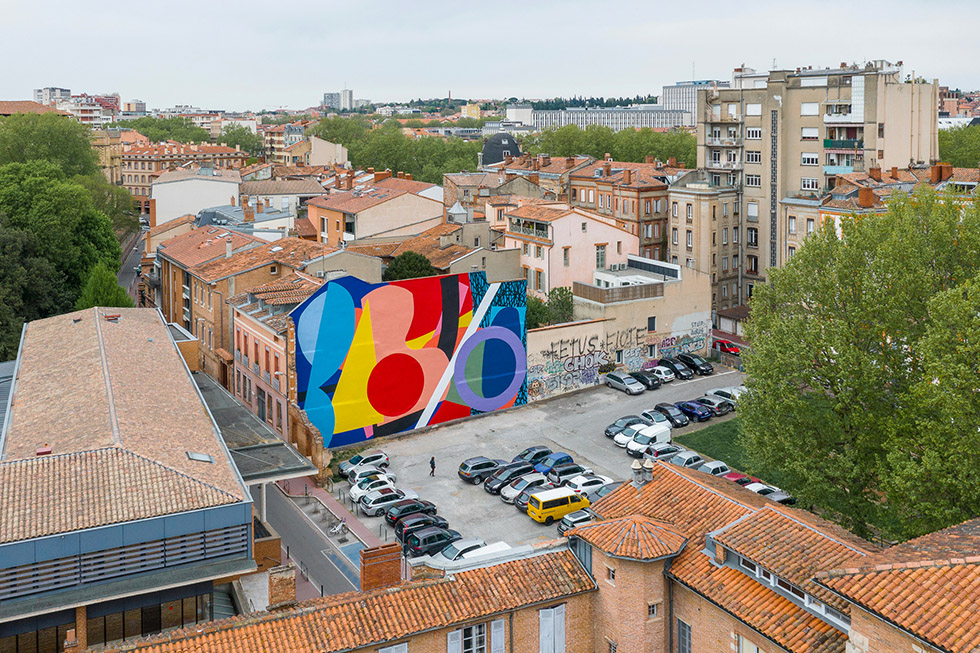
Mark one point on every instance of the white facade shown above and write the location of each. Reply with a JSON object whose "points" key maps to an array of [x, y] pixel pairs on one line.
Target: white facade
{"points": [[51, 95], [617, 118], [90, 114], [182, 194], [346, 99], [683, 96]]}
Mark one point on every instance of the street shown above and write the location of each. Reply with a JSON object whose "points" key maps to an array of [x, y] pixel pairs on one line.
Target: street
{"points": [[127, 270]]}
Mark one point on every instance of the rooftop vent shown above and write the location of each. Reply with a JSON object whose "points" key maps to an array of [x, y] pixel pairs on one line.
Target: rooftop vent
{"points": [[44, 451], [200, 457], [114, 318]]}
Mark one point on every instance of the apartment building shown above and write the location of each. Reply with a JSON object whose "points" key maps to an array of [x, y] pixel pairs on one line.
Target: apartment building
{"points": [[683, 96], [784, 135], [175, 193], [51, 95], [108, 145], [615, 118], [288, 195], [140, 162], [550, 173]]}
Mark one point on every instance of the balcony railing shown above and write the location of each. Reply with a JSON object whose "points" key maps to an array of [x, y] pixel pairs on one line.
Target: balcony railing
{"points": [[841, 119], [238, 356], [722, 118], [838, 170], [275, 384], [724, 165], [843, 144], [527, 231], [724, 142], [255, 367], [266, 377]]}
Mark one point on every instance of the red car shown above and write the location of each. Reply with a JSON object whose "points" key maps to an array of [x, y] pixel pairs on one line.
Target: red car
{"points": [[727, 346], [741, 479]]}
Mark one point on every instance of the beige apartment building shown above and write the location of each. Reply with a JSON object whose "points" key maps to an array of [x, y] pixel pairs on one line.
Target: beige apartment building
{"points": [[780, 137]]}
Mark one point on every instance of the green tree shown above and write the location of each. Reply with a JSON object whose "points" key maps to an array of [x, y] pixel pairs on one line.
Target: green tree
{"points": [[960, 146], [115, 201], [560, 304], [157, 130], [837, 345], [409, 265], [242, 137], [537, 313], [102, 289], [26, 137]]}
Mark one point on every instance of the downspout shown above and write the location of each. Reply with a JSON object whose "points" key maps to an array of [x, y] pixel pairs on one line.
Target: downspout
{"points": [[510, 631]]}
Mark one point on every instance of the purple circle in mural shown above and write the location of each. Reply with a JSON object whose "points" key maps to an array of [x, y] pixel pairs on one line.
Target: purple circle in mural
{"points": [[474, 400]]}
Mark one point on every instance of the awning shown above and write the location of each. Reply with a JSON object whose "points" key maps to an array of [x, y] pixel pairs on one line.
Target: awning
{"points": [[225, 354]]}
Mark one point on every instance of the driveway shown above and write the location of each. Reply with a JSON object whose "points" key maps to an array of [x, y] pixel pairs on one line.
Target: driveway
{"points": [[572, 423]]}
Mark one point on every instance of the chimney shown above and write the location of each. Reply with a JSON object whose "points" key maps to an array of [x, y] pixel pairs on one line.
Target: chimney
{"points": [[672, 162], [408, 176], [569, 162], [935, 173], [866, 197], [233, 200], [627, 177], [401, 175], [546, 160], [606, 169], [228, 247], [533, 178], [381, 566], [260, 207], [637, 471], [607, 157], [282, 587], [537, 163], [649, 158], [370, 171], [647, 470], [71, 641], [875, 173], [268, 202], [249, 213], [44, 450], [721, 553], [894, 172], [508, 160]]}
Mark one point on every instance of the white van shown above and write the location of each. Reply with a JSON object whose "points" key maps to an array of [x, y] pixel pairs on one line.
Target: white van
{"points": [[489, 549], [656, 434]]}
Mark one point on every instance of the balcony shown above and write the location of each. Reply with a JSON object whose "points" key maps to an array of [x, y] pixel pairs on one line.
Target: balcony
{"points": [[238, 356], [255, 367], [528, 231], [245, 361], [838, 170], [846, 144], [266, 377], [724, 165], [722, 118], [841, 119], [275, 384], [724, 142]]}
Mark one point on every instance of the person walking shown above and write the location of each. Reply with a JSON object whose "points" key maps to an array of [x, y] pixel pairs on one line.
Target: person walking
{"points": [[432, 466]]}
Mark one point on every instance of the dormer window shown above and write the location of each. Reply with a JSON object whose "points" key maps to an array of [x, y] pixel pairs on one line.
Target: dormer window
{"points": [[750, 566]]}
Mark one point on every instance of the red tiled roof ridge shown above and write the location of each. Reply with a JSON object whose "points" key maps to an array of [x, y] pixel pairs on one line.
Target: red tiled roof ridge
{"points": [[897, 566], [638, 528], [674, 469], [785, 513]]}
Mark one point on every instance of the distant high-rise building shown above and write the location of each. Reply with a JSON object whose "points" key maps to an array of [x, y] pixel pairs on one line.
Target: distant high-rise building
{"points": [[136, 106], [346, 99], [51, 95], [331, 100], [683, 96]]}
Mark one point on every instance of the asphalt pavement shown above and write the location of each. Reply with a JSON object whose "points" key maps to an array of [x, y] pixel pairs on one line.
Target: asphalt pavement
{"points": [[127, 270]]}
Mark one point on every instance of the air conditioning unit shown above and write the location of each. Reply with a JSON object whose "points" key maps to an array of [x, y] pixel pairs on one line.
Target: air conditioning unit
{"points": [[319, 274]]}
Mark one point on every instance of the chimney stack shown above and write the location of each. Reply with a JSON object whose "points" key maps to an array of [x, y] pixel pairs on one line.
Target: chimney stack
{"points": [[649, 158], [866, 197], [408, 176], [627, 177], [894, 172], [672, 162], [875, 173], [947, 171], [233, 200], [546, 160], [228, 247], [569, 162], [381, 566], [607, 157], [282, 587], [533, 178], [260, 207], [370, 171], [637, 472], [935, 173], [401, 175], [606, 169], [508, 160], [268, 202], [647, 470]]}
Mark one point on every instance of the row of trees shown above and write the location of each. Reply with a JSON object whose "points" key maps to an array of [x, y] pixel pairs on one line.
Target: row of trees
{"points": [[59, 220], [579, 101], [167, 129], [625, 145], [864, 369], [960, 146]]}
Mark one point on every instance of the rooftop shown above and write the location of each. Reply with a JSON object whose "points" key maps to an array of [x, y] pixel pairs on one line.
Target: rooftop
{"points": [[636, 537], [356, 200], [282, 187], [10, 107], [289, 252], [205, 174], [261, 302], [553, 165], [205, 244], [118, 453]]}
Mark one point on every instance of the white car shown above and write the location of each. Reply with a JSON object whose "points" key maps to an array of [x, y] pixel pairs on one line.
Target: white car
{"points": [[359, 475], [662, 373], [762, 488], [626, 436], [656, 434], [373, 458], [369, 485], [585, 483], [730, 394]]}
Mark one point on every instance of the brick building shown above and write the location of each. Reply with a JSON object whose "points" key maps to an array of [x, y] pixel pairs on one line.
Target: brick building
{"points": [[551, 173]]}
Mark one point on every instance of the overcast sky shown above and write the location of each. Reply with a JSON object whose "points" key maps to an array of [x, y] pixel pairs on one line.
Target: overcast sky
{"points": [[265, 55]]}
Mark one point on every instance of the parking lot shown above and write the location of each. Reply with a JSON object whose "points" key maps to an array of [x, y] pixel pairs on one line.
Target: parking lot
{"points": [[573, 424]]}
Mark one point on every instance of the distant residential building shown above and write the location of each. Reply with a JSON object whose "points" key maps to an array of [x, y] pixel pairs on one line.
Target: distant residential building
{"points": [[149, 279], [683, 96], [189, 190], [86, 111], [520, 113], [386, 111], [346, 99], [219, 124], [471, 110], [331, 100], [201, 120], [108, 144], [325, 153], [551, 173], [289, 195], [135, 107], [615, 118], [51, 95]]}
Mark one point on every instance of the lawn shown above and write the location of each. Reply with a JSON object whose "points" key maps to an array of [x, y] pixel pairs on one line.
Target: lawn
{"points": [[718, 441]]}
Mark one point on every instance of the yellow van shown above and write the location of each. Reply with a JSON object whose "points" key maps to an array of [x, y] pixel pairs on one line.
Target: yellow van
{"points": [[552, 505]]}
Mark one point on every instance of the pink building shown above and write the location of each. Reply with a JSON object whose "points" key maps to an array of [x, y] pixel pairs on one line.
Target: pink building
{"points": [[260, 345], [560, 244]]}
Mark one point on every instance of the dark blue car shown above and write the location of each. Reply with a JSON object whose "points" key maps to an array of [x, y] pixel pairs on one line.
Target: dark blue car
{"points": [[694, 410], [553, 459]]}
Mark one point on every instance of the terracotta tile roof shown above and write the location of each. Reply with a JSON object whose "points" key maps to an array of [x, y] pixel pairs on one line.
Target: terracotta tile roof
{"points": [[10, 107], [173, 148], [170, 224], [80, 389], [281, 171], [643, 175], [525, 164], [205, 244], [349, 202], [362, 619], [375, 249], [966, 175], [282, 187], [740, 312], [293, 288], [289, 252], [407, 185], [255, 167], [487, 179], [305, 227], [540, 213], [635, 537]]}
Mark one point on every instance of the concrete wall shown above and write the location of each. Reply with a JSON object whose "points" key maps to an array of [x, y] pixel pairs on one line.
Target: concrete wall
{"points": [[365, 268], [325, 153], [500, 265], [405, 215], [177, 198], [564, 358]]}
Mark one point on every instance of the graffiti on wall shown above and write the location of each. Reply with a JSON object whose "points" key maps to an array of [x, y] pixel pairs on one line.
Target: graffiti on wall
{"points": [[565, 364], [377, 359], [695, 340]]}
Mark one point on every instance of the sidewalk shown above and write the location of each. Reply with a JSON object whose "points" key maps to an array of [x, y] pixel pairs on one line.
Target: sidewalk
{"points": [[299, 486]]}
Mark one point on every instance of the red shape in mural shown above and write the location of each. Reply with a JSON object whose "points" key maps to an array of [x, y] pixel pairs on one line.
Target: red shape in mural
{"points": [[395, 384]]}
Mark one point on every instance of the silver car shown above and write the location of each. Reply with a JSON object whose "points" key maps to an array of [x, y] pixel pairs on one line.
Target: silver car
{"points": [[625, 382], [509, 492], [715, 468], [687, 459], [730, 394], [375, 503]]}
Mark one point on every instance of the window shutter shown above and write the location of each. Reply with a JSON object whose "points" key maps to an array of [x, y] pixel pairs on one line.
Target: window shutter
{"points": [[546, 631], [454, 643], [397, 648], [559, 617], [497, 636]]}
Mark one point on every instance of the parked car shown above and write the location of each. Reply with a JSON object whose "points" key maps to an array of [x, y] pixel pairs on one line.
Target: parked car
{"points": [[622, 423], [458, 549], [562, 474], [399, 509], [509, 492], [368, 485], [377, 502], [485, 550], [375, 458], [662, 451], [726, 346], [656, 434], [598, 493], [550, 505], [358, 475], [716, 405], [674, 415], [782, 497], [687, 459], [573, 519], [680, 370], [531, 454], [665, 375], [551, 460], [741, 479], [429, 540], [771, 492], [500, 478], [715, 468], [524, 497], [474, 470], [728, 394], [654, 416], [696, 363], [695, 411], [587, 482], [626, 436], [415, 522], [625, 382], [649, 380]]}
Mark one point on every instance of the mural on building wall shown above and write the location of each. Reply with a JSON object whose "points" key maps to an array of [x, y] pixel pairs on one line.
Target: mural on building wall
{"points": [[377, 359], [561, 365], [691, 339]]}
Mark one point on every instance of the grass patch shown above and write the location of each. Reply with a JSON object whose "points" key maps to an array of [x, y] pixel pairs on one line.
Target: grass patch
{"points": [[719, 441]]}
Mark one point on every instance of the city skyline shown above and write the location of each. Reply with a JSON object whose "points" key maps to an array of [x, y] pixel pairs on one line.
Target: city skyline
{"points": [[448, 54]]}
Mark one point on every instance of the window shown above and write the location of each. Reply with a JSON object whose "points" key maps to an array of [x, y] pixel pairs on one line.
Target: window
{"points": [[881, 130], [658, 206], [690, 212], [652, 324], [734, 234], [476, 242], [724, 291], [619, 247], [538, 251], [683, 637], [600, 256], [673, 235], [653, 609], [724, 236], [752, 211], [527, 249], [792, 224], [753, 157], [753, 264], [473, 639], [810, 133], [610, 572], [809, 225], [753, 181], [765, 575], [734, 261], [753, 133], [713, 234], [646, 207], [745, 646], [551, 631], [791, 588], [690, 238], [747, 564], [752, 234], [656, 231], [648, 231], [585, 226], [810, 109], [792, 250], [724, 209], [539, 280], [724, 263], [673, 259], [591, 196], [753, 109], [689, 262], [564, 255], [673, 209], [612, 646], [809, 159]]}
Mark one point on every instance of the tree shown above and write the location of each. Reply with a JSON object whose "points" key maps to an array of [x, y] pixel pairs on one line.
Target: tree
{"points": [[839, 338], [537, 313], [157, 130], [409, 265], [242, 137], [115, 201], [560, 305], [102, 289], [26, 137], [960, 146]]}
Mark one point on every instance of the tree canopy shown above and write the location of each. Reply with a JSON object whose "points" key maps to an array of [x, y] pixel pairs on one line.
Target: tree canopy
{"points": [[960, 146], [177, 129], [557, 309], [624, 145], [409, 265], [242, 137], [26, 137], [863, 369], [102, 289]]}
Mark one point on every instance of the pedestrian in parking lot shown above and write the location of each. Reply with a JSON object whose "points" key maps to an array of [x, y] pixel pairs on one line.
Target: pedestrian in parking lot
{"points": [[432, 466]]}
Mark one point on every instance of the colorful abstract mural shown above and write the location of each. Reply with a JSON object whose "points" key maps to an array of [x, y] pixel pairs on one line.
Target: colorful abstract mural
{"points": [[377, 359]]}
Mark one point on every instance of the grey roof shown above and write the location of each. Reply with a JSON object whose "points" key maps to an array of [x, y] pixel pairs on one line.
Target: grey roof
{"points": [[497, 145], [282, 187], [234, 215]]}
